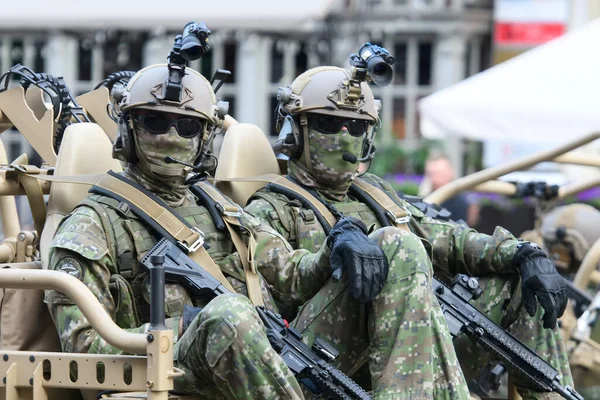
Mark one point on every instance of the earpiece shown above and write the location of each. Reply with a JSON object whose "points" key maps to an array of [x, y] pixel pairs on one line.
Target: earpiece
{"points": [[124, 147]]}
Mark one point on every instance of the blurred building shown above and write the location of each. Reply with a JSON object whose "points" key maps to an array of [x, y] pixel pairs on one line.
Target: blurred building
{"points": [[436, 43]]}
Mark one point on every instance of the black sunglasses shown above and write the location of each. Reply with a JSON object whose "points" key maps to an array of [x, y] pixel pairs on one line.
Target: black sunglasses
{"points": [[330, 124], [159, 124]]}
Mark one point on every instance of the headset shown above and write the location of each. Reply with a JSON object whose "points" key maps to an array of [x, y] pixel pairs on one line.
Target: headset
{"points": [[290, 141]]}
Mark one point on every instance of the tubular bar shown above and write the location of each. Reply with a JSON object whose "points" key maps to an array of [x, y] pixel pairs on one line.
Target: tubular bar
{"points": [[466, 182], [88, 304]]}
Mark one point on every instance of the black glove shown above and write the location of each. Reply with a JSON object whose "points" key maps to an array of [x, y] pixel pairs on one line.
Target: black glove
{"points": [[189, 314], [541, 280], [364, 261]]}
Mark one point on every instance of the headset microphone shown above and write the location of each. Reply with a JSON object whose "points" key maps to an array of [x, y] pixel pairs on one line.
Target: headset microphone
{"points": [[171, 160], [352, 159]]}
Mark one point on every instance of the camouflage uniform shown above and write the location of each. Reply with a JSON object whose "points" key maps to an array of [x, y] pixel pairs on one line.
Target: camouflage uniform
{"points": [[225, 352], [321, 165]]}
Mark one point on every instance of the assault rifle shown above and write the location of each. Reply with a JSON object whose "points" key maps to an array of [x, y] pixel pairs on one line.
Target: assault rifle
{"points": [[462, 317], [308, 366]]}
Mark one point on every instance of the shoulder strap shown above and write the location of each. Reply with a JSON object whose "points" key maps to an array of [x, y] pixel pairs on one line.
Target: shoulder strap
{"points": [[280, 184], [230, 215], [379, 201], [159, 216]]}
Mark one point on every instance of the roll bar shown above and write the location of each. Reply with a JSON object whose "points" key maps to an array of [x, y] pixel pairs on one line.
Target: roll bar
{"points": [[89, 305], [467, 182]]}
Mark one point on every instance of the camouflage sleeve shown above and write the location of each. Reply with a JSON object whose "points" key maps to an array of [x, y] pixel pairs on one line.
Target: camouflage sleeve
{"points": [[457, 248], [80, 249], [294, 276]]}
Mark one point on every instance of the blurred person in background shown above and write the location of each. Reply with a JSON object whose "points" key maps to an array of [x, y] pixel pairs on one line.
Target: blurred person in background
{"points": [[439, 171]]}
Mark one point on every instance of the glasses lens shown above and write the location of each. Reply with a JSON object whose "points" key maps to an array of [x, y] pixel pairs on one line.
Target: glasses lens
{"points": [[328, 124], [156, 124], [332, 125], [188, 127], [357, 127]]}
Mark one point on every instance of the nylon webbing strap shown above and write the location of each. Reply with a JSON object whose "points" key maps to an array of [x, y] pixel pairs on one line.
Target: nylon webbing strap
{"points": [[190, 238], [281, 180], [231, 214], [35, 196], [162, 217], [398, 215]]}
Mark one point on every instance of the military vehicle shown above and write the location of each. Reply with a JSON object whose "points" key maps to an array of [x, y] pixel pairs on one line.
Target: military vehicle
{"points": [[570, 234], [74, 138]]}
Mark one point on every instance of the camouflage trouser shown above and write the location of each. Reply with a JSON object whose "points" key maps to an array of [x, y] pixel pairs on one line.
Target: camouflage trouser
{"points": [[410, 354], [225, 353], [497, 294]]}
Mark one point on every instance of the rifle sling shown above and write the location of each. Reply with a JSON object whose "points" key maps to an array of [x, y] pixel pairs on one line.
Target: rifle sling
{"points": [[154, 212], [387, 211], [231, 213]]}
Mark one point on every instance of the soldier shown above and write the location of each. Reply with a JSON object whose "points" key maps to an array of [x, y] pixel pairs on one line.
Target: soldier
{"points": [[328, 129], [222, 345], [568, 232]]}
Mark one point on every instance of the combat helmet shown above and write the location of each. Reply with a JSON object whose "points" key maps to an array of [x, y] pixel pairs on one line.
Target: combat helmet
{"points": [[323, 90], [147, 90], [568, 232]]}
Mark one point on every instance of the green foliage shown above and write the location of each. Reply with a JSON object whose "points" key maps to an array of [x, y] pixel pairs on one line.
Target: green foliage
{"points": [[394, 157], [409, 188]]}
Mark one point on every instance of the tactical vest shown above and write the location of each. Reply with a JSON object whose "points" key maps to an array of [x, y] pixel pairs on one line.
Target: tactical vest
{"points": [[304, 229], [130, 239]]}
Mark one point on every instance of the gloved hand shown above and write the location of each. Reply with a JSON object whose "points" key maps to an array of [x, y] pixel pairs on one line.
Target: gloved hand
{"points": [[362, 259], [541, 280], [189, 314]]}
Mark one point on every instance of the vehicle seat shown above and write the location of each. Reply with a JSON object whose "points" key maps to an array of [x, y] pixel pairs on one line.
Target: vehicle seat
{"points": [[245, 152], [85, 149]]}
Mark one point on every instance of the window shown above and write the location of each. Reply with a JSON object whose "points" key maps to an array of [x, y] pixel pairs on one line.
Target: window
{"points": [[230, 59], [425, 50], [206, 66], [400, 64], [16, 56], [123, 51], [301, 61], [84, 70], [38, 60], [399, 122], [276, 63]]}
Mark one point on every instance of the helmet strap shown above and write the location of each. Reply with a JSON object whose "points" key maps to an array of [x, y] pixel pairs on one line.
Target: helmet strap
{"points": [[305, 146]]}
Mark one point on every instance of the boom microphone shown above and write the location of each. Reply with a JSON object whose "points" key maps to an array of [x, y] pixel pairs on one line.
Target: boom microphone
{"points": [[352, 159], [171, 160]]}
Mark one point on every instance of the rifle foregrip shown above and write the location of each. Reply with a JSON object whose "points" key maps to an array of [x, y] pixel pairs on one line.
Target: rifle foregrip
{"points": [[351, 387]]}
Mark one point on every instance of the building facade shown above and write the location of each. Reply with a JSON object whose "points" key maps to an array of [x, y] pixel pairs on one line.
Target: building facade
{"points": [[436, 43]]}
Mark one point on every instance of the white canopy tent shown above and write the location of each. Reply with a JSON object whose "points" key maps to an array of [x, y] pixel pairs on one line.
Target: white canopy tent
{"points": [[547, 95]]}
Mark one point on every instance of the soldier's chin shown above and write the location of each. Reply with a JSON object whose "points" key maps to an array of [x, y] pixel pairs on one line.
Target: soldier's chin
{"points": [[170, 175]]}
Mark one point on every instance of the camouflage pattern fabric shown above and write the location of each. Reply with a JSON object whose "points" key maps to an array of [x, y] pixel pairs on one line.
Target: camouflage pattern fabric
{"points": [[225, 350], [410, 353], [453, 248], [86, 249], [334, 172], [165, 180]]}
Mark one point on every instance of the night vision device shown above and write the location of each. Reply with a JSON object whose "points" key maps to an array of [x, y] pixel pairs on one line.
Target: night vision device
{"points": [[189, 46], [372, 64]]}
